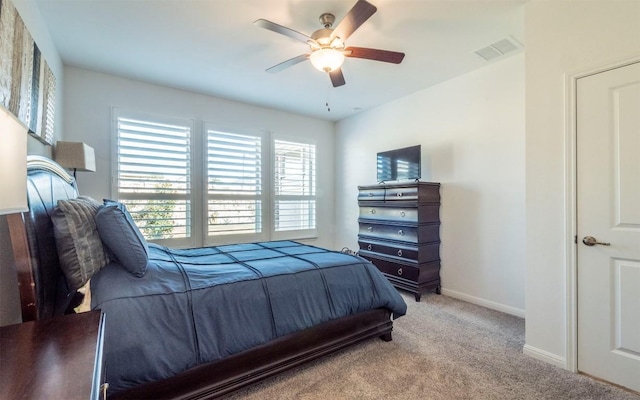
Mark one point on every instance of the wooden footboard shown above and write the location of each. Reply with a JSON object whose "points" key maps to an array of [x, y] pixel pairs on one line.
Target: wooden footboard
{"points": [[222, 377]]}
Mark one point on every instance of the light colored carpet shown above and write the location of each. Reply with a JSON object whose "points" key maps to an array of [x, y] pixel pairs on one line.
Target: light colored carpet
{"points": [[442, 349]]}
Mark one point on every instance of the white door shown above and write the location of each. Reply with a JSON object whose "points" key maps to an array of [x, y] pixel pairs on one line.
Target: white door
{"points": [[608, 211]]}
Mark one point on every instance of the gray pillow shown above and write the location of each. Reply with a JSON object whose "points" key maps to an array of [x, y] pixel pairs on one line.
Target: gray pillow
{"points": [[80, 249], [122, 237]]}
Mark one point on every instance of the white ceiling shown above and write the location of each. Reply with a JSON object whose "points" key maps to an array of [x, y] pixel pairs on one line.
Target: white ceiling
{"points": [[212, 47]]}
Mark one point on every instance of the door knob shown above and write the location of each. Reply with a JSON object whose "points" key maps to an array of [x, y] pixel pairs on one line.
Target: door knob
{"points": [[591, 241]]}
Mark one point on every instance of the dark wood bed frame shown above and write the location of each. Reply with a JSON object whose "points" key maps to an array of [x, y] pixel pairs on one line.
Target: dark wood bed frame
{"points": [[44, 293]]}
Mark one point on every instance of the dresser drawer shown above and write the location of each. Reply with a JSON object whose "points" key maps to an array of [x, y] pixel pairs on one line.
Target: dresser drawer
{"points": [[389, 214], [423, 192], [402, 193], [418, 253], [412, 214], [400, 250], [420, 273], [371, 194], [404, 233], [411, 273]]}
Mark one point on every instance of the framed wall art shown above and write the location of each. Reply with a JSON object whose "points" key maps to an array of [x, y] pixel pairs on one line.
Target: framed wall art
{"points": [[27, 84]]}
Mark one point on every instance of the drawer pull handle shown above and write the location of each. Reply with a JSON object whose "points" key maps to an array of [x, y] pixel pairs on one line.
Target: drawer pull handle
{"points": [[369, 247], [370, 229], [399, 253], [372, 211], [370, 194], [399, 194], [400, 271], [400, 232], [402, 214], [103, 389]]}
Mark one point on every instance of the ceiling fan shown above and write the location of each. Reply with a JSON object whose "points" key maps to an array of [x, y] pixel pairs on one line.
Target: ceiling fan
{"points": [[327, 45]]}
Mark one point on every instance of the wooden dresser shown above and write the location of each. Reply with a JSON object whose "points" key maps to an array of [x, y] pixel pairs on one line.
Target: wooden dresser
{"points": [[400, 233], [53, 358]]}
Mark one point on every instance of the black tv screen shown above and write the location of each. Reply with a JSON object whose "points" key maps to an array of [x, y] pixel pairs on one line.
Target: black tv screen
{"points": [[399, 164]]}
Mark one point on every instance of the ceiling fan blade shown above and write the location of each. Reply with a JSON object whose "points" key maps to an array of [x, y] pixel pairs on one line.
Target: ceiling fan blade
{"points": [[283, 30], [360, 12], [289, 63], [337, 79], [374, 54]]}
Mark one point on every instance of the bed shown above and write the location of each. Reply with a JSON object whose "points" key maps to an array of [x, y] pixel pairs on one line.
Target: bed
{"points": [[200, 323]]}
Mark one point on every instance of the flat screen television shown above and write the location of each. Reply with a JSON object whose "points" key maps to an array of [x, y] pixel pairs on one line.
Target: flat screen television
{"points": [[399, 164]]}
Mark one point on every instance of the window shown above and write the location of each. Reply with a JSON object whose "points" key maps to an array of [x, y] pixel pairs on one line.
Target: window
{"points": [[240, 187], [153, 174], [294, 186], [234, 184]]}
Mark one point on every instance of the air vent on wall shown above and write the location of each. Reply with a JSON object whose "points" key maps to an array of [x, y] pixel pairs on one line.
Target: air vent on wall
{"points": [[499, 48]]}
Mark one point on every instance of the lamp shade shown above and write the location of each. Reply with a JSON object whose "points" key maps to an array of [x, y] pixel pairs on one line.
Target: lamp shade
{"points": [[13, 164], [76, 155], [327, 59]]}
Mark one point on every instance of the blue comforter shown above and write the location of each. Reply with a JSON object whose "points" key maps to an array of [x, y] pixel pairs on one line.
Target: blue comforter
{"points": [[200, 305]]}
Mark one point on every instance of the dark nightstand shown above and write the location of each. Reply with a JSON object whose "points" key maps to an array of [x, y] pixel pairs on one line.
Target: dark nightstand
{"points": [[55, 358]]}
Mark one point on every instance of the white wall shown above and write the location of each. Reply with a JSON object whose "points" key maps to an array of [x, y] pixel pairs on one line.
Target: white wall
{"points": [[562, 38], [9, 296], [472, 134], [90, 96]]}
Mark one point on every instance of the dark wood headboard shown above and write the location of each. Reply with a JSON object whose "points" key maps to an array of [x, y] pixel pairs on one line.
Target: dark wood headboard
{"points": [[43, 288]]}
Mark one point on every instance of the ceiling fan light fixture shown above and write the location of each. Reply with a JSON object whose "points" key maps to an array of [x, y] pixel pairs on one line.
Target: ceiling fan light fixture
{"points": [[327, 59], [327, 44]]}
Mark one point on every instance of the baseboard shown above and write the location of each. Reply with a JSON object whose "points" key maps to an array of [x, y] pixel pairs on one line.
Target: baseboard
{"points": [[545, 356], [531, 351], [485, 303]]}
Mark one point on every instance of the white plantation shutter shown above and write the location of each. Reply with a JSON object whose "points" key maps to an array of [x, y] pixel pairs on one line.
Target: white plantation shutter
{"points": [[153, 177], [234, 184], [294, 186], [217, 186]]}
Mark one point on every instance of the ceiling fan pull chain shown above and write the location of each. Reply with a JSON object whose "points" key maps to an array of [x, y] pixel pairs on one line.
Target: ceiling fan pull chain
{"points": [[328, 98]]}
